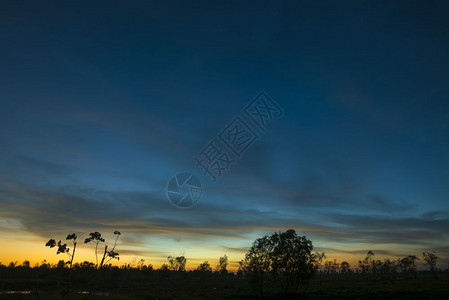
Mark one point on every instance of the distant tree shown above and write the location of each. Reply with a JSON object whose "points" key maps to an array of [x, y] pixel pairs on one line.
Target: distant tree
{"points": [[12, 264], [223, 264], [26, 264], [345, 267], [408, 264], [44, 265], [366, 265], [148, 268], [431, 261], [61, 264], [388, 268], [204, 267], [177, 263], [331, 267], [240, 269], [140, 264], [85, 265], [385, 269]]}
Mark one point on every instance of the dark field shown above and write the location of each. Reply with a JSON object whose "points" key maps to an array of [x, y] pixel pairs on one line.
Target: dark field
{"points": [[34, 283]]}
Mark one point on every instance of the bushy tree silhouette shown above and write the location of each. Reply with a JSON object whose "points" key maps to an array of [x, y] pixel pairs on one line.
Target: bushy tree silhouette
{"points": [[177, 263], [292, 259], [223, 265], [408, 264], [204, 267], [257, 263], [286, 255]]}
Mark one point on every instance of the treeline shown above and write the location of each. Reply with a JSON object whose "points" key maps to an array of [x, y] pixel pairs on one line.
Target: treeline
{"points": [[405, 265], [281, 261], [369, 265]]}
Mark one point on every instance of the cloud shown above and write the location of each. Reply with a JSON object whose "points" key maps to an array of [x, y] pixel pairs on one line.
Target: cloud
{"points": [[50, 210]]}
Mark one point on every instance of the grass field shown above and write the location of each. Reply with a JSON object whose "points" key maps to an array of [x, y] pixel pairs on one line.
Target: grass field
{"points": [[137, 284]]}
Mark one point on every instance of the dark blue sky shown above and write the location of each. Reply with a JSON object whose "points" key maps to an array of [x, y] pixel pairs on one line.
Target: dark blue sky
{"points": [[101, 103]]}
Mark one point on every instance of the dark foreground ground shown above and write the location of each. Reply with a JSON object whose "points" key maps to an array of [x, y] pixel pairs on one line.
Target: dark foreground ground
{"points": [[136, 284]]}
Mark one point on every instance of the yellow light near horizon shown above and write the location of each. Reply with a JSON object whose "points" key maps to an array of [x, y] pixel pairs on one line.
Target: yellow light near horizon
{"points": [[19, 245]]}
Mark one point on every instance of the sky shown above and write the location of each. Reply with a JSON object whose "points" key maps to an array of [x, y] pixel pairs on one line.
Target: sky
{"points": [[103, 102]]}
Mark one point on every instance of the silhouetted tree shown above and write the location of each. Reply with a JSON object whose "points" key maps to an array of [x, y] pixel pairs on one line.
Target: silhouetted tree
{"points": [[257, 263], [286, 255], [177, 263], [345, 267], [385, 269], [12, 264], [26, 264], [388, 268], [148, 268], [292, 259], [407, 264], [223, 265], [331, 267], [85, 265], [431, 261], [366, 265], [204, 267]]}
